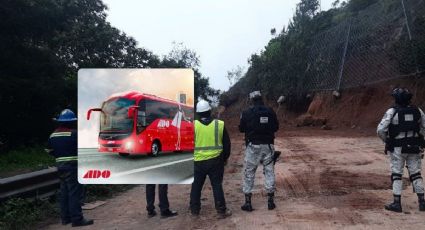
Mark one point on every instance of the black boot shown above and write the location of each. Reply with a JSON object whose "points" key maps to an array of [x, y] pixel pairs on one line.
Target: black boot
{"points": [[396, 205], [270, 201], [151, 213], [82, 222], [66, 221], [421, 202], [247, 206], [168, 213], [224, 213]]}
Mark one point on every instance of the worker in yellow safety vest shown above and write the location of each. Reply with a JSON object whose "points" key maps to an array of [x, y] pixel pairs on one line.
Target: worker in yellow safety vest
{"points": [[62, 145], [212, 149]]}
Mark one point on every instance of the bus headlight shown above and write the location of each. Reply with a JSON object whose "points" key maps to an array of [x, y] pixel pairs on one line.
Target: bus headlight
{"points": [[129, 145]]}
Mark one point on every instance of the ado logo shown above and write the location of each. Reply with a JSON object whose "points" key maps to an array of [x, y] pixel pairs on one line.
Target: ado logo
{"points": [[91, 174], [163, 123]]}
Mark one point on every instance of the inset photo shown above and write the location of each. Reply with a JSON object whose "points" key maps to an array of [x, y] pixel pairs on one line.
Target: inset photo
{"points": [[135, 126]]}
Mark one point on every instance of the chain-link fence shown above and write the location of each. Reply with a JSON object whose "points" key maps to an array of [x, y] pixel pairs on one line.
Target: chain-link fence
{"points": [[384, 41]]}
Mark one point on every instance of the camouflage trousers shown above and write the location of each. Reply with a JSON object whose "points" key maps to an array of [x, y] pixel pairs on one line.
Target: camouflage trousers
{"points": [[413, 163], [255, 155]]}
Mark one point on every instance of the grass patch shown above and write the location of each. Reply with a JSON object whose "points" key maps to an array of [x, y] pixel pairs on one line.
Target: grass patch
{"points": [[24, 159], [18, 213]]}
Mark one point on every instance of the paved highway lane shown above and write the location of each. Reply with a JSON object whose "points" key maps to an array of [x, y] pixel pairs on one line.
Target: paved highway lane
{"points": [[167, 168]]}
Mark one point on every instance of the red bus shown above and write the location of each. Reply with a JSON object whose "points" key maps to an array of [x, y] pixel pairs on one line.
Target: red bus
{"points": [[138, 123]]}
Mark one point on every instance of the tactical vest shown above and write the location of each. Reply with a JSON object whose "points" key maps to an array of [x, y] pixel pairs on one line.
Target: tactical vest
{"points": [[208, 140], [408, 126], [260, 125], [262, 122]]}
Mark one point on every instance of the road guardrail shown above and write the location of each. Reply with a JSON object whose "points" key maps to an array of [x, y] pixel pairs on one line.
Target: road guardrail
{"points": [[39, 185]]}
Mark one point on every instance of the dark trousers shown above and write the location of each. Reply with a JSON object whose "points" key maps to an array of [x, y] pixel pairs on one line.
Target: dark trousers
{"points": [[214, 169], [71, 193], [163, 198]]}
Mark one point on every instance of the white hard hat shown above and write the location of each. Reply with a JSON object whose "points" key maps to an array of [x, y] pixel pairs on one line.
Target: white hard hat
{"points": [[254, 94], [202, 106]]}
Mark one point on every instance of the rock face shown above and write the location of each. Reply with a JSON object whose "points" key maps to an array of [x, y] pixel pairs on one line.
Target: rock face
{"points": [[360, 107], [309, 120]]}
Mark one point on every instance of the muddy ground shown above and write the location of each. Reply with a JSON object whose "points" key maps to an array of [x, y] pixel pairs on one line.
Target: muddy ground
{"points": [[325, 180]]}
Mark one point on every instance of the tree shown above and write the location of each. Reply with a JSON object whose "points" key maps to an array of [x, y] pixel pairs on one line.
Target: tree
{"points": [[280, 68], [182, 57], [43, 44], [357, 5], [308, 8], [235, 74]]}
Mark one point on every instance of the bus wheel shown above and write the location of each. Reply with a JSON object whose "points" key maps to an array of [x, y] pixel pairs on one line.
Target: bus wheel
{"points": [[124, 154], [155, 148]]}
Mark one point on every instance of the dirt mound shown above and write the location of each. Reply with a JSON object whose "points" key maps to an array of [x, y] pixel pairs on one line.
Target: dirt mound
{"points": [[309, 120]]}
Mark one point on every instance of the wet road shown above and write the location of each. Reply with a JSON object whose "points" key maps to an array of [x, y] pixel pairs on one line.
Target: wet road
{"points": [[167, 168]]}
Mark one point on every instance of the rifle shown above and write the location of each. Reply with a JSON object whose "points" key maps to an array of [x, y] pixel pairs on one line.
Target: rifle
{"points": [[389, 146], [276, 156]]}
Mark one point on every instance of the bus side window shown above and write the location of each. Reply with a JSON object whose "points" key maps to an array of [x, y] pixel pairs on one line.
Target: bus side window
{"points": [[150, 111]]}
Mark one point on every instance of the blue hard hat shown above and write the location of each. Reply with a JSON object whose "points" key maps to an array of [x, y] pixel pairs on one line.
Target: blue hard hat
{"points": [[66, 116]]}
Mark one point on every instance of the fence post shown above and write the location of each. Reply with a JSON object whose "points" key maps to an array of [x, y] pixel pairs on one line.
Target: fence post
{"points": [[410, 37], [407, 20], [341, 67]]}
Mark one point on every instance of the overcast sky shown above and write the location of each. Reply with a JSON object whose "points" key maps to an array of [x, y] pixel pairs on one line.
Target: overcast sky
{"points": [[97, 85], [224, 33]]}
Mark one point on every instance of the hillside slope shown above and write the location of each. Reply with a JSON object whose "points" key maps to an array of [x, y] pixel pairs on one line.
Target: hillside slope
{"points": [[363, 106]]}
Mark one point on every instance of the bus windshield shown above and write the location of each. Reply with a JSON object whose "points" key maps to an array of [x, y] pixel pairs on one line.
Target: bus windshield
{"points": [[114, 116]]}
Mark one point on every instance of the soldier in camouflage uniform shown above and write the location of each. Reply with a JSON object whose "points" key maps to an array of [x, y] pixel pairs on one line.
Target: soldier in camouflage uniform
{"points": [[259, 123], [402, 129]]}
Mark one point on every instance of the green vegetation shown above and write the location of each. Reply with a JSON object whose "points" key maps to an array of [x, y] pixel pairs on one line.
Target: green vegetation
{"points": [[44, 43], [280, 69], [20, 213], [280, 66], [24, 159]]}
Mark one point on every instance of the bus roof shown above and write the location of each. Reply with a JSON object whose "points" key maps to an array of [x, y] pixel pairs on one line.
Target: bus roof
{"points": [[134, 95]]}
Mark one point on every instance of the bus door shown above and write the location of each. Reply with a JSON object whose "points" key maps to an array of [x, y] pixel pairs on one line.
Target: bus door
{"points": [[141, 124]]}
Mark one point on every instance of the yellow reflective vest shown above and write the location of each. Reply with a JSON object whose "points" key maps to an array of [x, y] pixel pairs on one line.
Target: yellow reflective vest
{"points": [[208, 140]]}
